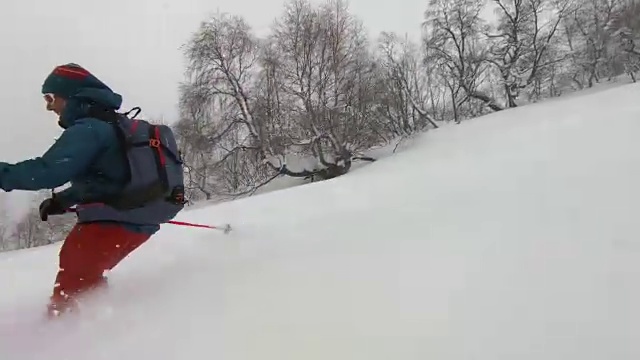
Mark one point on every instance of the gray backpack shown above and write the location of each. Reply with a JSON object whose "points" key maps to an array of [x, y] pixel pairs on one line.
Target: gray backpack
{"points": [[154, 193]]}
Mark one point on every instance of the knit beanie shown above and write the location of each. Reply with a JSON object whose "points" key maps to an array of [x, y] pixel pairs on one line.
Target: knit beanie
{"points": [[66, 80]]}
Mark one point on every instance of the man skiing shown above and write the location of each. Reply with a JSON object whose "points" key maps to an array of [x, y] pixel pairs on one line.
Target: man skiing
{"points": [[90, 155]]}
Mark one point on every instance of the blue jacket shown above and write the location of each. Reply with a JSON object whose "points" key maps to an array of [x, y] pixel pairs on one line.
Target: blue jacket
{"points": [[87, 154]]}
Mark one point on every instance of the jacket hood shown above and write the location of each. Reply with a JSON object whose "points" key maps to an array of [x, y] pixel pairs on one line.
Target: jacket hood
{"points": [[78, 105]]}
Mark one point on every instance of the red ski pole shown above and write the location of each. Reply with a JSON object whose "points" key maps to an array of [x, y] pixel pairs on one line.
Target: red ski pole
{"points": [[224, 228]]}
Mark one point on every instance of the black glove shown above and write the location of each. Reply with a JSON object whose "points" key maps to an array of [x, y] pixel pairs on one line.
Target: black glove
{"points": [[51, 206]]}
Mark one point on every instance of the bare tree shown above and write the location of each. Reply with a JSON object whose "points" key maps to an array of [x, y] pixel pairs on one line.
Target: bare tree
{"points": [[406, 89], [590, 40], [326, 79], [453, 41], [6, 239], [211, 142], [522, 44], [625, 29], [223, 57]]}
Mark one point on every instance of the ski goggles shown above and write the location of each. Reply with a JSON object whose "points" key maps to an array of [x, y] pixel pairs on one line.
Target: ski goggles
{"points": [[48, 99]]}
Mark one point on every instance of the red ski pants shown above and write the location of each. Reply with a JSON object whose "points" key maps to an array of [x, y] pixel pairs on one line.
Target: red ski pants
{"points": [[88, 251]]}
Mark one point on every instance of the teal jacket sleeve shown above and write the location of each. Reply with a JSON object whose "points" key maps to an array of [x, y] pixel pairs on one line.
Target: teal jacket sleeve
{"points": [[68, 157]]}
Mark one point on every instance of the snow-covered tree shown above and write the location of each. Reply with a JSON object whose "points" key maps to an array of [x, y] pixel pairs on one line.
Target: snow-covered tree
{"points": [[523, 41]]}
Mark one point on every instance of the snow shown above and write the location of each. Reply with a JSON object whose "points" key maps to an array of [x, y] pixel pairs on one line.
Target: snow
{"points": [[511, 236]]}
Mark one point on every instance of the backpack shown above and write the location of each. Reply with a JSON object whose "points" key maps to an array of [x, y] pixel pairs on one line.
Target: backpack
{"points": [[154, 191]]}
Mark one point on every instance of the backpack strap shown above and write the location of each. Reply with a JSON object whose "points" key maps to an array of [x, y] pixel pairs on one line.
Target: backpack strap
{"points": [[161, 162], [177, 193], [111, 117], [137, 111]]}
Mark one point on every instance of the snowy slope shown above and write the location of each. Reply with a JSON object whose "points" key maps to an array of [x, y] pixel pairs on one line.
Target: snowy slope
{"points": [[512, 236]]}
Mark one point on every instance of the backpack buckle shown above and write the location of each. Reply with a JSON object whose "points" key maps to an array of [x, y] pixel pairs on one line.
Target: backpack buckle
{"points": [[177, 196], [154, 143]]}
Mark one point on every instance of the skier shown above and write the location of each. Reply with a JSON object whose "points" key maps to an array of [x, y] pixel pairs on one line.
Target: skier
{"points": [[89, 155]]}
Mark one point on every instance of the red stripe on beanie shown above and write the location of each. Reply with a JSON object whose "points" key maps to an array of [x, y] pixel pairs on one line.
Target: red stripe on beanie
{"points": [[71, 72]]}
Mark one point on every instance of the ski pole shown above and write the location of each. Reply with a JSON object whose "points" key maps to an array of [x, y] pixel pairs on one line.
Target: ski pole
{"points": [[226, 228]]}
